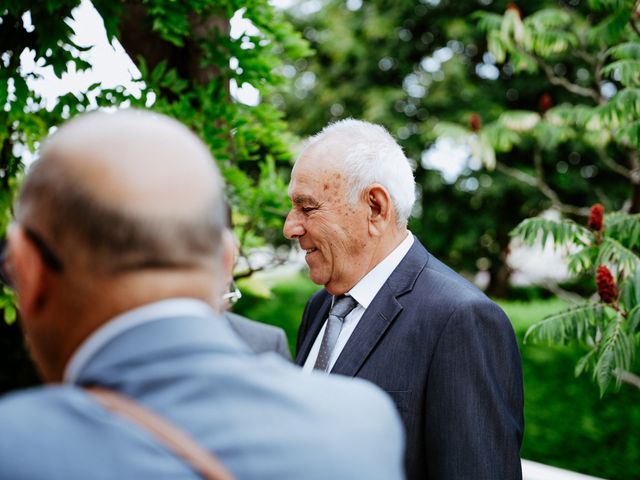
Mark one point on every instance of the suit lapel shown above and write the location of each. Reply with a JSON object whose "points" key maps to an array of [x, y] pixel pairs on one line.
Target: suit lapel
{"points": [[374, 323], [382, 312], [314, 328]]}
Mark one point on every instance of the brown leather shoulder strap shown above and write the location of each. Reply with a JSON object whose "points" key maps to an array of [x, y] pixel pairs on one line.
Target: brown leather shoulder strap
{"points": [[185, 447]]}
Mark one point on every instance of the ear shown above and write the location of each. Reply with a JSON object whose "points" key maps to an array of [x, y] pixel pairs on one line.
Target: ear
{"points": [[229, 253], [28, 271], [380, 209]]}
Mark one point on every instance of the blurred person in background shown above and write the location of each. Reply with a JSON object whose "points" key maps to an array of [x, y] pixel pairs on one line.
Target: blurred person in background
{"points": [[259, 336], [116, 257], [393, 314]]}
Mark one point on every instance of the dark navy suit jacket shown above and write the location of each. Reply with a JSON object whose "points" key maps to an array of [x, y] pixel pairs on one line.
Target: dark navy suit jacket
{"points": [[448, 357]]}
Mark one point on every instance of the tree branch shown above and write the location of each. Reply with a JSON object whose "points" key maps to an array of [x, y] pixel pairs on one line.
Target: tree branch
{"points": [[628, 378], [250, 270], [561, 293], [561, 81], [566, 84], [543, 188], [632, 20], [613, 165]]}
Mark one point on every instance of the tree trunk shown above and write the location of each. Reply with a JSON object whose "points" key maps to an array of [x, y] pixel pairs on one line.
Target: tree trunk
{"points": [[500, 274], [635, 199], [139, 40]]}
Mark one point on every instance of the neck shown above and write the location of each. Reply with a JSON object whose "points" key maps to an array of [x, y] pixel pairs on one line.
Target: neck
{"points": [[107, 298], [387, 245]]}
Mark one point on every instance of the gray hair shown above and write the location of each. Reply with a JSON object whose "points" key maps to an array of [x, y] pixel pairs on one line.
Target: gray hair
{"points": [[372, 156]]}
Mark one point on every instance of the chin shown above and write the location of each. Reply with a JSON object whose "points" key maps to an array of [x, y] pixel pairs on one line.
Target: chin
{"points": [[318, 277]]}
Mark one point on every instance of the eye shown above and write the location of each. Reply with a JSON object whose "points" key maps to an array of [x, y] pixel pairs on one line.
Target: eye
{"points": [[308, 209]]}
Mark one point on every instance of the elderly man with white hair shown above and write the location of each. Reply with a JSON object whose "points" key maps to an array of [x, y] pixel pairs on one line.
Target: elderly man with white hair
{"points": [[393, 314]]}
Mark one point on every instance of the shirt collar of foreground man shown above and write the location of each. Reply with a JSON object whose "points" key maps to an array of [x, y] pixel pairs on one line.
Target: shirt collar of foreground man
{"points": [[444, 352], [129, 205]]}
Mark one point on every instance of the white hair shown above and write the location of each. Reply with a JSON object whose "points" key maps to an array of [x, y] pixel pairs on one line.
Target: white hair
{"points": [[372, 156]]}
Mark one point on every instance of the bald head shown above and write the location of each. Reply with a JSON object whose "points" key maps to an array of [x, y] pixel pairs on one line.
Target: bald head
{"points": [[144, 163], [126, 190]]}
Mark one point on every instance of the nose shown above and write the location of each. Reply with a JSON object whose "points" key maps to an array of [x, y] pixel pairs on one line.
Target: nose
{"points": [[292, 226]]}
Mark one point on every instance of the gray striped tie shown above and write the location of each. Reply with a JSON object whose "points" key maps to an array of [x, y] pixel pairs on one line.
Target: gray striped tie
{"points": [[342, 306]]}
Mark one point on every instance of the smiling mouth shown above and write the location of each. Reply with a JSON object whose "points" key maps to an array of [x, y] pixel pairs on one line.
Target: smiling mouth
{"points": [[310, 250]]}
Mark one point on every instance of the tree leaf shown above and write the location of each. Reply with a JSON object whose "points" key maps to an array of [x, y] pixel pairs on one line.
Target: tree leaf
{"points": [[563, 233], [613, 252], [577, 323], [616, 353]]}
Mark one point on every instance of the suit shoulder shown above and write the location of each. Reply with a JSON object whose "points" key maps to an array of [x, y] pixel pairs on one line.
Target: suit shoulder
{"points": [[445, 283], [40, 404], [48, 409], [243, 324], [447, 295]]}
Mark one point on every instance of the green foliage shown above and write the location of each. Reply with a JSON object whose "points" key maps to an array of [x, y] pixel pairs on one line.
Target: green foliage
{"points": [[581, 323], [423, 69], [608, 330], [187, 61], [610, 48], [281, 304], [603, 116], [534, 230]]}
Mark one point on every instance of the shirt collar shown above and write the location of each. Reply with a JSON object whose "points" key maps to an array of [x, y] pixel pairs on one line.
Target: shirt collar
{"points": [[126, 321], [368, 287]]}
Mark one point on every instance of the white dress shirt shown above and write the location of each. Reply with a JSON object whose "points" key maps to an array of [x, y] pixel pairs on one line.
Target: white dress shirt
{"points": [[363, 292], [147, 313]]}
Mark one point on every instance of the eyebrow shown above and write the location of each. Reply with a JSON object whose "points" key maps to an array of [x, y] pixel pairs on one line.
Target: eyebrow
{"points": [[300, 199]]}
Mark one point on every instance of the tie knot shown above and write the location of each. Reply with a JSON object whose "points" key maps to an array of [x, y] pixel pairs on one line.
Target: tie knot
{"points": [[342, 306]]}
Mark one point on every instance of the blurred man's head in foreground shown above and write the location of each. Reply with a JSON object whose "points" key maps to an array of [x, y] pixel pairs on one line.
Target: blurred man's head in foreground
{"points": [[121, 209]]}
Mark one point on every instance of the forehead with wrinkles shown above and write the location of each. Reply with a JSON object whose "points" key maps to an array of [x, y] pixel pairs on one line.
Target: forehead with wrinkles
{"points": [[318, 173]]}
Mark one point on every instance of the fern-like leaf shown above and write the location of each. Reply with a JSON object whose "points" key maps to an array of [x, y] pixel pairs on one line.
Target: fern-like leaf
{"points": [[487, 21], [627, 71], [616, 353], [586, 362], [453, 131], [562, 232], [577, 323], [627, 50], [500, 137], [610, 29], [608, 5], [630, 292], [549, 135], [552, 42], [624, 227], [497, 46], [548, 18], [634, 319], [519, 120], [583, 260], [483, 150], [629, 134], [613, 252]]}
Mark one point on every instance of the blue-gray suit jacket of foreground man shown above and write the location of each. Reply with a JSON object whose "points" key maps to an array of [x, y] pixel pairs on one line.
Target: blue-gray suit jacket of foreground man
{"points": [[449, 358], [259, 414]]}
